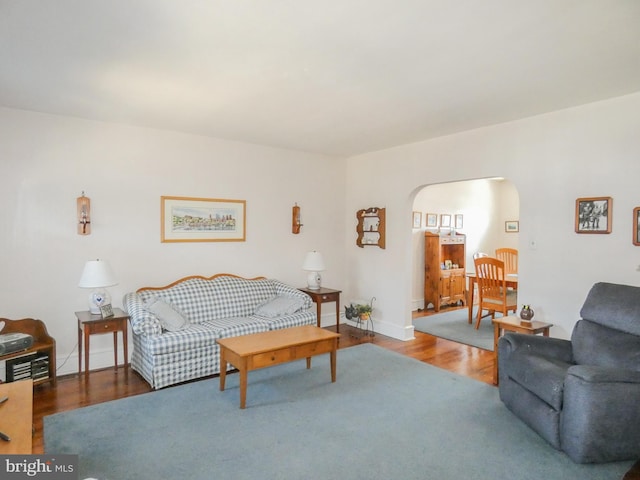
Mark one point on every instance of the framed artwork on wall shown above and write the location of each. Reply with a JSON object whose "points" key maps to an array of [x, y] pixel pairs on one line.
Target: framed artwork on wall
{"points": [[512, 226], [445, 220], [457, 221], [636, 226], [593, 215], [431, 220], [417, 219], [188, 219]]}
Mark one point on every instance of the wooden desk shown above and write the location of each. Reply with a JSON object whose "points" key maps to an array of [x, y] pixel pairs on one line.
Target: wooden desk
{"points": [[16, 417], [94, 324], [325, 295], [260, 350], [514, 324], [512, 281]]}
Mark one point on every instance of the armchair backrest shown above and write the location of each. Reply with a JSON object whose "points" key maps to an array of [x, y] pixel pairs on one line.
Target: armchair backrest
{"points": [[609, 333], [614, 306]]}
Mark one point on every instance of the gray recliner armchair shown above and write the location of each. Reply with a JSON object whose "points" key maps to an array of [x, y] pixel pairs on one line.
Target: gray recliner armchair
{"points": [[582, 395]]}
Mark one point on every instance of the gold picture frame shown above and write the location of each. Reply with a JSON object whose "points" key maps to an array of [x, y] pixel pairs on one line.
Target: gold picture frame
{"points": [[431, 220], [193, 219], [417, 219], [512, 226]]}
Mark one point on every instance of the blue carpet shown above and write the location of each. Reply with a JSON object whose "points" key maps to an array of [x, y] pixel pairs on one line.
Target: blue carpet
{"points": [[386, 417], [455, 326]]}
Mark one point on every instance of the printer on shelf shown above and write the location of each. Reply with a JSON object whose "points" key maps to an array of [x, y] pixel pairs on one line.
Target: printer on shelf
{"points": [[14, 342]]}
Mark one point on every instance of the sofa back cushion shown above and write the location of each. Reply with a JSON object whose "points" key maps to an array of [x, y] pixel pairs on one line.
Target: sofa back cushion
{"points": [[223, 296], [615, 306], [595, 344]]}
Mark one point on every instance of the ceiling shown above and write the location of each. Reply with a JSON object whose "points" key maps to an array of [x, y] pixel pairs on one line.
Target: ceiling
{"points": [[338, 77]]}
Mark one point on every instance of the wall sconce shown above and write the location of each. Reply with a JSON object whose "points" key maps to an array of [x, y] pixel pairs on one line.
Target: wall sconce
{"points": [[84, 215], [295, 220]]}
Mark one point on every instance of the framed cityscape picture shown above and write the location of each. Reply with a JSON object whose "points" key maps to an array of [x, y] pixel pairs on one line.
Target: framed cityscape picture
{"points": [[188, 219]]}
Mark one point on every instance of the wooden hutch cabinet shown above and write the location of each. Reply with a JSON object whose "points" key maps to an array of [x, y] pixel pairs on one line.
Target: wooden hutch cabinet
{"points": [[444, 269]]}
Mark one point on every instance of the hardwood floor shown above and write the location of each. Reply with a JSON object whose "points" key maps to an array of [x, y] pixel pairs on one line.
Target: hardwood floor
{"points": [[103, 385], [107, 384]]}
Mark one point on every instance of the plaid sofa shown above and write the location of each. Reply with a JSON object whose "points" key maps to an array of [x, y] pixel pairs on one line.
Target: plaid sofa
{"points": [[217, 307]]}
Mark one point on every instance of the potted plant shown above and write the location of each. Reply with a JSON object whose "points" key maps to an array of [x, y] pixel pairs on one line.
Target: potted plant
{"points": [[364, 311]]}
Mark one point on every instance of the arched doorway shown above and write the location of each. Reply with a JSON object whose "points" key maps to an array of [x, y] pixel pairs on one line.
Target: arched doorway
{"points": [[479, 209]]}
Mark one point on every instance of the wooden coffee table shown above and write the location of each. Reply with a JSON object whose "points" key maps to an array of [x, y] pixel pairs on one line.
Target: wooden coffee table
{"points": [[16, 417], [259, 350]]}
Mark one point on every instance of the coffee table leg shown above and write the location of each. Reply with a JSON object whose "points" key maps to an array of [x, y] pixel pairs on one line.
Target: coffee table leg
{"points": [[243, 386], [223, 369], [333, 365]]}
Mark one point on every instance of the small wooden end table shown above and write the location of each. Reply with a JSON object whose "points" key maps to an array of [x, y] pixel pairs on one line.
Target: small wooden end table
{"points": [[325, 295], [92, 324], [517, 325], [260, 350], [16, 420]]}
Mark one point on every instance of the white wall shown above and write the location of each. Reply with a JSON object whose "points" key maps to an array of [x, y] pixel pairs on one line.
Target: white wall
{"points": [[552, 160], [46, 161], [484, 204]]}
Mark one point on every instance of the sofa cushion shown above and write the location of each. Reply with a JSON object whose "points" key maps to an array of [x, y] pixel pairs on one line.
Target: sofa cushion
{"points": [[195, 336], [595, 344], [170, 317], [236, 326], [279, 306], [542, 376]]}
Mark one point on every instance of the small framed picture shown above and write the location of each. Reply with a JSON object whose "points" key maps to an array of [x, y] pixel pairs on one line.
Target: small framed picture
{"points": [[445, 220], [593, 215], [417, 219], [458, 221], [106, 311], [431, 220], [636, 226], [512, 226]]}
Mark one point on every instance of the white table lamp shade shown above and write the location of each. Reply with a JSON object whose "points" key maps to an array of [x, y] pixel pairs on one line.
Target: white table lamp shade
{"points": [[314, 264], [97, 274]]}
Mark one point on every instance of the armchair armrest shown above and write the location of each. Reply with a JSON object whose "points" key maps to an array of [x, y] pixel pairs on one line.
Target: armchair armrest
{"points": [[594, 374], [557, 348], [142, 321], [600, 414]]}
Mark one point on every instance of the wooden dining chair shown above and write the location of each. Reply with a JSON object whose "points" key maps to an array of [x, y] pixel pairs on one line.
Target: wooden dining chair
{"points": [[492, 288], [510, 258]]}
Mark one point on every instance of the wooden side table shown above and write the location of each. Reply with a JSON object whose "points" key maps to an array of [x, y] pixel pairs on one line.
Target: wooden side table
{"points": [[325, 295], [514, 324], [90, 324]]}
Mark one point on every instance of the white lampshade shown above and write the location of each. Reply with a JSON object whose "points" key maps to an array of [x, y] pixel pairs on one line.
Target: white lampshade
{"points": [[97, 274], [314, 264]]}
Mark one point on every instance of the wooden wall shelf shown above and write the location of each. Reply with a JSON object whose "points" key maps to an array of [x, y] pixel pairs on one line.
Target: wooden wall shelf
{"points": [[371, 227]]}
